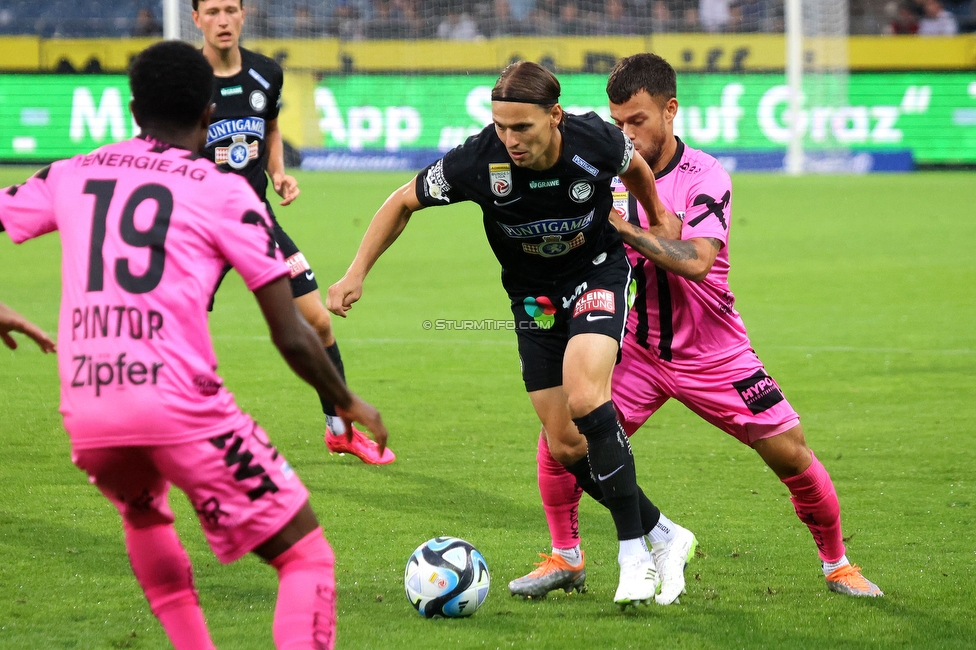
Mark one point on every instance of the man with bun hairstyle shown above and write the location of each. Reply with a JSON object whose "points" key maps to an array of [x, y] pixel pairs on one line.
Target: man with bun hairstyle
{"points": [[686, 341], [542, 180]]}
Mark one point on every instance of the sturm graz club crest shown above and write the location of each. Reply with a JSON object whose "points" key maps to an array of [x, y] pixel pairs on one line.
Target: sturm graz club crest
{"points": [[238, 154], [580, 191], [258, 100], [500, 177]]}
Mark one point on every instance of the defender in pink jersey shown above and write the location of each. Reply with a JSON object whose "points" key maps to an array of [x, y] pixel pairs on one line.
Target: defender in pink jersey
{"points": [[143, 245], [686, 341]]}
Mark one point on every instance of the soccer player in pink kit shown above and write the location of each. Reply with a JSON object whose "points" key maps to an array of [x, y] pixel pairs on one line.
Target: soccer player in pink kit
{"points": [[686, 341], [143, 244]]}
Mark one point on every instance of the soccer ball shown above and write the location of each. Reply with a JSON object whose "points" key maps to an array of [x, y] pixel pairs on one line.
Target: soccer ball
{"points": [[446, 576]]}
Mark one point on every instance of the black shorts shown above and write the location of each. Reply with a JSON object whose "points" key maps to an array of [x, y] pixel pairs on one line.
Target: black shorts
{"points": [[595, 303], [302, 277]]}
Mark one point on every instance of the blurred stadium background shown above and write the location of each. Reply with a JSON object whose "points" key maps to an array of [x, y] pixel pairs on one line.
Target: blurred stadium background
{"points": [[888, 85]]}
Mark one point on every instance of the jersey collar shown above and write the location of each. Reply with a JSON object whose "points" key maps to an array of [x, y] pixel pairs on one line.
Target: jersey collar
{"points": [[678, 152]]}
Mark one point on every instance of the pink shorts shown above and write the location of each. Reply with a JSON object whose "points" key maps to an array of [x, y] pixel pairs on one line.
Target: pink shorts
{"points": [[242, 489], [736, 395]]}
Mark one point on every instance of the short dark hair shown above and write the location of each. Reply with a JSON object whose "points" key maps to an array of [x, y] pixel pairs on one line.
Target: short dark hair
{"points": [[171, 83], [196, 4], [645, 71], [527, 82]]}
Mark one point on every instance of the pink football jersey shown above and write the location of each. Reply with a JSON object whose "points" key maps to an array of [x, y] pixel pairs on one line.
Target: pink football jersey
{"points": [[679, 319], [146, 230]]}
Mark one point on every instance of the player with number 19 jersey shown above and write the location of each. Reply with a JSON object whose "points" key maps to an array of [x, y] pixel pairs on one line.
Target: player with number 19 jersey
{"points": [[143, 246]]}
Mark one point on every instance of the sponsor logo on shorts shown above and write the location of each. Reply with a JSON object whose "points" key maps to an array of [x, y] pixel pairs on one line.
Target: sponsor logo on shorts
{"points": [[759, 392], [581, 191], [500, 176], [596, 300], [297, 264], [542, 311], [210, 513], [242, 462], [580, 288]]}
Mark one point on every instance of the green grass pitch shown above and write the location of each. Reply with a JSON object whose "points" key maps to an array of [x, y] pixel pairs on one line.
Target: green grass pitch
{"points": [[860, 297]]}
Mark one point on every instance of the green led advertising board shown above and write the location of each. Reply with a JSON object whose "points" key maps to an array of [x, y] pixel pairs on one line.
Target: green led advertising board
{"points": [[46, 117]]}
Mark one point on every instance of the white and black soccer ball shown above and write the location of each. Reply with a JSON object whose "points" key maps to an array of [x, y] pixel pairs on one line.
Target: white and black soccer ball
{"points": [[446, 576]]}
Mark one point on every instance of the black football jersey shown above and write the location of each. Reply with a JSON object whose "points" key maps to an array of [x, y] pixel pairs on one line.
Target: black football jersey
{"points": [[245, 103], [545, 227]]}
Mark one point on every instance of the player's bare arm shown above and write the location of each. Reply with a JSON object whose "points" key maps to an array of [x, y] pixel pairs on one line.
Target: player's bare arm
{"points": [[689, 258], [286, 186], [387, 224], [639, 180], [11, 321], [299, 344]]}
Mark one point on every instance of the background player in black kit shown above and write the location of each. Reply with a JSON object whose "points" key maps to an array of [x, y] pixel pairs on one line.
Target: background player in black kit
{"points": [[542, 179], [245, 139]]}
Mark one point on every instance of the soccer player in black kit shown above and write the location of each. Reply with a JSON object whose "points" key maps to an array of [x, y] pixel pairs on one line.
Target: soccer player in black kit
{"points": [[244, 138], [542, 179]]}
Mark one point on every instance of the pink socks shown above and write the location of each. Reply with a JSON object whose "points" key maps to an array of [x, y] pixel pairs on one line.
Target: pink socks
{"points": [[815, 502], [163, 569], [560, 498], [305, 614]]}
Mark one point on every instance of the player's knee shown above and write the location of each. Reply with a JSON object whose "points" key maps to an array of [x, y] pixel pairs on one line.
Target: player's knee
{"points": [[789, 459], [583, 401], [568, 450], [320, 321]]}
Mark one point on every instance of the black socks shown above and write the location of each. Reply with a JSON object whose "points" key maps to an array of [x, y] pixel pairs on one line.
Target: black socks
{"points": [[612, 469]]}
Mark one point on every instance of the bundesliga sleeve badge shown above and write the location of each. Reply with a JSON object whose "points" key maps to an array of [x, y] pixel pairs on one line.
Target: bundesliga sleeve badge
{"points": [[238, 154], [500, 176]]}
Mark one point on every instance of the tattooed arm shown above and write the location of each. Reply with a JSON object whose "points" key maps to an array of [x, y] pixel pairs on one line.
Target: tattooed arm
{"points": [[689, 258]]}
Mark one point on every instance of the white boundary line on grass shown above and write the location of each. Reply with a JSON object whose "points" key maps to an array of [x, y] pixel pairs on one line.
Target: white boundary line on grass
{"points": [[511, 342]]}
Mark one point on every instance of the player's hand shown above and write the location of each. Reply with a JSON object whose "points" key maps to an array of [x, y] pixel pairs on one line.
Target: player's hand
{"points": [[287, 188], [365, 414], [11, 321], [342, 294]]}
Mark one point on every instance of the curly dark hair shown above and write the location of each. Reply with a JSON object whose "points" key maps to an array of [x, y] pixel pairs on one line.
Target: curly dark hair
{"points": [[171, 83], [645, 71]]}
